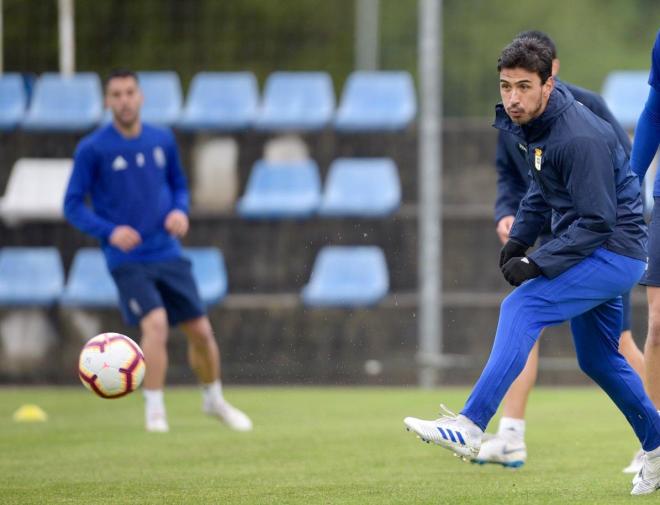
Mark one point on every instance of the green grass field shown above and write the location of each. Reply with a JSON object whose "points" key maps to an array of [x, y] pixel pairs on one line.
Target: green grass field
{"points": [[310, 446]]}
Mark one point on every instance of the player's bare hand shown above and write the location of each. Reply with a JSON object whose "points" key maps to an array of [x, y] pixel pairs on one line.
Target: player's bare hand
{"points": [[504, 227], [125, 238], [176, 223]]}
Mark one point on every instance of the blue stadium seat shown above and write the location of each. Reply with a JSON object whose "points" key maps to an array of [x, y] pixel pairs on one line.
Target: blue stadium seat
{"points": [[296, 101], [625, 92], [162, 97], [368, 187], [62, 103], [91, 285], [376, 101], [220, 101], [347, 276], [281, 190], [13, 100], [208, 266], [30, 276]]}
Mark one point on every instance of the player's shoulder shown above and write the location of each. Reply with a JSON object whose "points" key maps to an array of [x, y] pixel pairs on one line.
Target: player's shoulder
{"points": [[585, 96], [95, 139], [157, 132]]}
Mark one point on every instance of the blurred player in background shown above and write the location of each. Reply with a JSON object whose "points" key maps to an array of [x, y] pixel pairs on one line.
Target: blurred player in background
{"points": [[581, 173], [508, 447], [132, 172], [645, 145]]}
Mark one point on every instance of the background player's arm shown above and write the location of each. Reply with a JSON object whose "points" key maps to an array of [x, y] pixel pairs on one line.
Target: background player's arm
{"points": [[176, 221], [76, 210], [510, 190], [647, 135]]}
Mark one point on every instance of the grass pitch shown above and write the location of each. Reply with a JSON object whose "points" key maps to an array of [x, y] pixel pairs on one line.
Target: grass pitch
{"points": [[309, 446]]}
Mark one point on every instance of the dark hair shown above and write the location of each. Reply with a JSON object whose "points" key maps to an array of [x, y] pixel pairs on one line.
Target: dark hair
{"points": [[542, 37], [529, 54], [119, 73]]}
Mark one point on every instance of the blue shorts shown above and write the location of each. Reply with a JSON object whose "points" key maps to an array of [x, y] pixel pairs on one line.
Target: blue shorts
{"points": [[147, 286], [652, 275]]}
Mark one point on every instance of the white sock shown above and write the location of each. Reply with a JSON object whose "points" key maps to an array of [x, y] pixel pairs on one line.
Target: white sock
{"points": [[469, 422], [154, 399], [654, 453], [511, 426], [213, 392]]}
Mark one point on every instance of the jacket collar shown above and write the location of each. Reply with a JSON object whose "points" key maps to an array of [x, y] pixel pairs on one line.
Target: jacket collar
{"points": [[560, 100]]}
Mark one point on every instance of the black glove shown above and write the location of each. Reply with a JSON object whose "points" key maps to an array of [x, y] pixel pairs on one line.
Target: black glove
{"points": [[510, 250], [518, 270]]}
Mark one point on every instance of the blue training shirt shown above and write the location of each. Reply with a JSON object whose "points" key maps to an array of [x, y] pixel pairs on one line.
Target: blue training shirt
{"points": [[131, 181], [647, 133]]}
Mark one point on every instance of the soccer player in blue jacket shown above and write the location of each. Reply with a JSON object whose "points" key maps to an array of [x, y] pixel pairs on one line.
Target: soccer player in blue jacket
{"points": [[132, 174], [507, 447], [581, 173], [645, 145]]}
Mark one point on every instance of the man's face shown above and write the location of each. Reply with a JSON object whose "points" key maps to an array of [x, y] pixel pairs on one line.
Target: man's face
{"points": [[523, 95], [124, 98]]}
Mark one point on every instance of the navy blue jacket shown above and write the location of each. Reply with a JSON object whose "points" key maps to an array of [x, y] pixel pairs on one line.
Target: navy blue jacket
{"points": [[580, 172], [512, 168]]}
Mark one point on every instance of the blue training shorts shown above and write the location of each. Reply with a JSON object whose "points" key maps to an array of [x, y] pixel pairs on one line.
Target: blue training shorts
{"points": [[652, 275], [147, 286]]}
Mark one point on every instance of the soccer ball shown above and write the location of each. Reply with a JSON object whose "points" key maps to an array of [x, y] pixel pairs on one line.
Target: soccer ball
{"points": [[111, 365]]}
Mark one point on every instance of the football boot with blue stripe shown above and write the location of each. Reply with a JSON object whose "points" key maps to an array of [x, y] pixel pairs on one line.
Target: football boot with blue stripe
{"points": [[456, 433]]}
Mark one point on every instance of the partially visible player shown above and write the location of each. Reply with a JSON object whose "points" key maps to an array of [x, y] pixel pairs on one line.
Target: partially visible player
{"points": [[508, 447], [131, 171], [581, 173], [645, 145]]}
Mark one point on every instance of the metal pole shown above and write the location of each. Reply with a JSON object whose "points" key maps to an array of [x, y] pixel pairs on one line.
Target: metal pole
{"points": [[366, 34], [67, 39], [430, 179]]}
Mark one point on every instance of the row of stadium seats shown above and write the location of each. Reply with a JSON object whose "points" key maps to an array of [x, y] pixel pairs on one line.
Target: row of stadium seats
{"points": [[359, 187], [342, 276], [218, 101]]}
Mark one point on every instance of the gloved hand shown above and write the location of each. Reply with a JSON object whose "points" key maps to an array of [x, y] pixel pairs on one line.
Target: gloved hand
{"points": [[510, 250], [518, 270]]}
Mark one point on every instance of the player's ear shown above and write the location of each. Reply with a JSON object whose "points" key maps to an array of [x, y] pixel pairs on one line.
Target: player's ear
{"points": [[548, 86]]}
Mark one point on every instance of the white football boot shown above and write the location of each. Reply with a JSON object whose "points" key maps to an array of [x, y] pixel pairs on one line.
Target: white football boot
{"points": [[648, 478], [156, 420], [501, 449], [456, 433], [636, 464], [231, 416]]}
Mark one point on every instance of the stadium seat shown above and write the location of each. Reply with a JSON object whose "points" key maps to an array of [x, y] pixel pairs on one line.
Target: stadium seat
{"points": [[301, 101], [220, 101], [162, 97], [91, 285], [208, 266], [26, 199], [13, 100], [30, 276], [368, 187], [625, 92], [65, 103], [281, 190], [376, 101], [347, 276]]}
